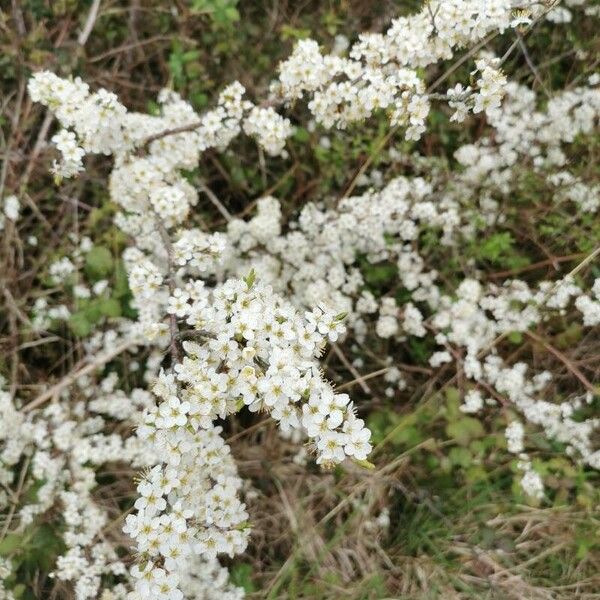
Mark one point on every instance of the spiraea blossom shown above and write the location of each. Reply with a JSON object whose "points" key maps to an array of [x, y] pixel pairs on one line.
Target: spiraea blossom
{"points": [[238, 319], [258, 352], [378, 73]]}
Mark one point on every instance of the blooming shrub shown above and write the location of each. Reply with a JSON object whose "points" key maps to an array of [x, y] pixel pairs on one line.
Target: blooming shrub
{"points": [[238, 317]]}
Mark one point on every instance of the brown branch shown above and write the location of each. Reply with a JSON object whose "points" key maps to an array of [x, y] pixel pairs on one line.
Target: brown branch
{"points": [[362, 379], [564, 359], [358, 377], [193, 126], [215, 200], [196, 334], [71, 378], [537, 265], [166, 132], [173, 327]]}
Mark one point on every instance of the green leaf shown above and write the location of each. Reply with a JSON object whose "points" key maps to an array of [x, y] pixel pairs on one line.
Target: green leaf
{"points": [[380, 274], [570, 337], [453, 402], [420, 349], [241, 575], [378, 423], [496, 246], [190, 55], [460, 457], [10, 544], [45, 546], [92, 310], [365, 464], [79, 324], [98, 262], [464, 430], [301, 135], [120, 283], [288, 32], [222, 12], [407, 435], [515, 337], [110, 307], [250, 279]]}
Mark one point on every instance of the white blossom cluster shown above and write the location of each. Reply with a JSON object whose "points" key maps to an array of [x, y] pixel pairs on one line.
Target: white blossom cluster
{"points": [[245, 314], [311, 259], [65, 272], [5, 571], [11, 210], [521, 132], [317, 257], [257, 351], [64, 444], [379, 73]]}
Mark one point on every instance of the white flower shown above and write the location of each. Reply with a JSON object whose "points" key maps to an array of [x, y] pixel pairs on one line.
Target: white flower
{"points": [[178, 303], [12, 207]]}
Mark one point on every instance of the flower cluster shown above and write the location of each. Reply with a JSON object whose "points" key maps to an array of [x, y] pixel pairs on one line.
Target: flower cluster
{"points": [[245, 314], [316, 257], [378, 73], [260, 353], [64, 446], [269, 128], [381, 69]]}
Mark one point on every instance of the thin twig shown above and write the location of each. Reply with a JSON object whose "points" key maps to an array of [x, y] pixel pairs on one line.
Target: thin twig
{"points": [[537, 265], [167, 132], [71, 378], [570, 366], [14, 501], [173, 327], [126, 47], [216, 202], [18, 18], [89, 23], [532, 66], [363, 378], [358, 377]]}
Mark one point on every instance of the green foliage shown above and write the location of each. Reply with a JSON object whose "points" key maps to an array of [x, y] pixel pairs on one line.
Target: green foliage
{"points": [[497, 246], [222, 12], [570, 337], [515, 337], [420, 349], [80, 324], [90, 312], [98, 263], [401, 431], [500, 250], [93, 311], [31, 551], [10, 544], [379, 277], [250, 279], [241, 575], [183, 65], [294, 33], [464, 430]]}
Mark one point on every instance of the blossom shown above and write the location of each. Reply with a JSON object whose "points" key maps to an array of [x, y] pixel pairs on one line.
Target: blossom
{"points": [[12, 207], [248, 311]]}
